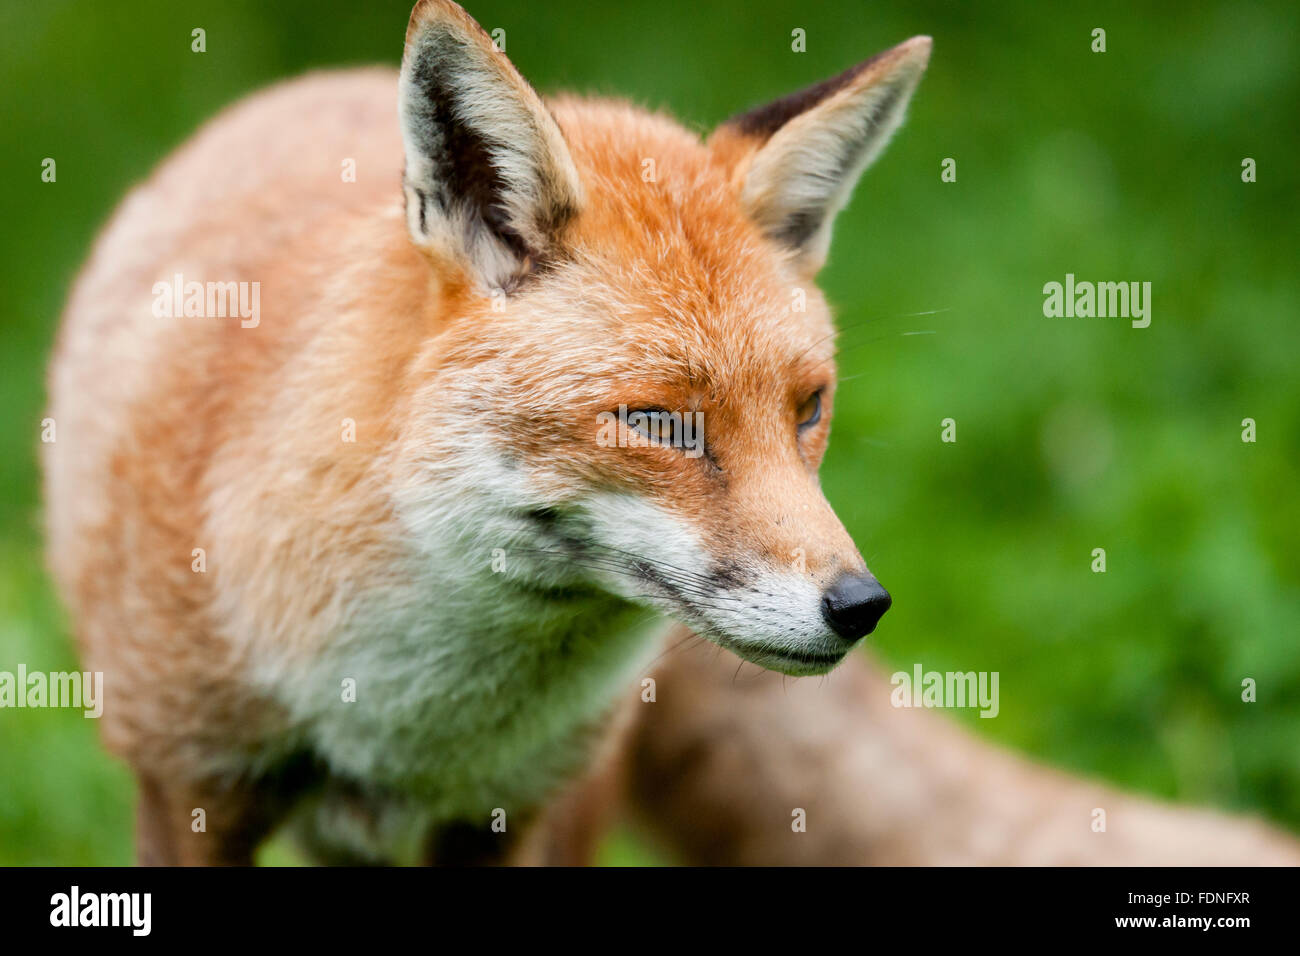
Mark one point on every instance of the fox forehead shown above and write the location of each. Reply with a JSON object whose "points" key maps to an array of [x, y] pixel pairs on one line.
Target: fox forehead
{"points": [[664, 281]]}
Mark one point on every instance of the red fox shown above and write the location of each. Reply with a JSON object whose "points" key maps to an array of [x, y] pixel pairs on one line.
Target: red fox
{"points": [[334, 504]]}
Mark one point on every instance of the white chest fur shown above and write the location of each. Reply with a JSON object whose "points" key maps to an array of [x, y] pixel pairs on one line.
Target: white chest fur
{"points": [[466, 704]]}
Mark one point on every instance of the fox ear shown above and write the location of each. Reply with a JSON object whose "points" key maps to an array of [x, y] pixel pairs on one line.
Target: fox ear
{"points": [[489, 180], [795, 161]]}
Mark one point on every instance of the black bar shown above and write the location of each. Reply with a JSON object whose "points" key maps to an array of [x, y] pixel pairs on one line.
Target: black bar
{"points": [[438, 906]]}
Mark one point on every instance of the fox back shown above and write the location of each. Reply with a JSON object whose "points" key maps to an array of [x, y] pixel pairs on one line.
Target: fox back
{"points": [[390, 439]]}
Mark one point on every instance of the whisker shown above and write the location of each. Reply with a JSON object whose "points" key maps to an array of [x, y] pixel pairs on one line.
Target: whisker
{"points": [[869, 320], [703, 599], [880, 338], [691, 638], [685, 572]]}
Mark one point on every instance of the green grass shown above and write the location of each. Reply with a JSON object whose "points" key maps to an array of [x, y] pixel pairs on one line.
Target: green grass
{"points": [[1072, 433]]}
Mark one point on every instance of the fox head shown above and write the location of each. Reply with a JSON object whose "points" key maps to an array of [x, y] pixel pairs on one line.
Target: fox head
{"points": [[634, 388]]}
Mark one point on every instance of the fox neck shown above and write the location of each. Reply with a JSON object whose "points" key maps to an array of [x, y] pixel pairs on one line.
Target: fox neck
{"points": [[480, 694]]}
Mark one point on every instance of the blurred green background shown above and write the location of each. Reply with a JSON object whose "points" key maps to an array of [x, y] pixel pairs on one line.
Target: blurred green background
{"points": [[1073, 434]]}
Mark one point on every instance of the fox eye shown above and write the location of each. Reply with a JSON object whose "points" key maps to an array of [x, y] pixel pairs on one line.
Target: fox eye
{"points": [[653, 423], [810, 412]]}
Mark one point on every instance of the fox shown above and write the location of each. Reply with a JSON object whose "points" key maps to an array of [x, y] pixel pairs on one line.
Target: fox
{"points": [[364, 562]]}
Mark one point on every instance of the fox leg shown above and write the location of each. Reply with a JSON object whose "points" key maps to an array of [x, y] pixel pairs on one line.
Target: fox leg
{"points": [[201, 824], [733, 765], [569, 830], [218, 820]]}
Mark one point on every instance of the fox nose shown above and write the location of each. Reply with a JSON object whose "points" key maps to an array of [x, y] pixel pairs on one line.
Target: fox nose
{"points": [[854, 604]]}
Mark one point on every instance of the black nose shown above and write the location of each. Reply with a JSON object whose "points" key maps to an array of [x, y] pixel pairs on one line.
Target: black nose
{"points": [[854, 604]]}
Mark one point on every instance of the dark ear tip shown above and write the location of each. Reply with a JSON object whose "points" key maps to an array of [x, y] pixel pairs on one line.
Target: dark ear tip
{"points": [[764, 121]]}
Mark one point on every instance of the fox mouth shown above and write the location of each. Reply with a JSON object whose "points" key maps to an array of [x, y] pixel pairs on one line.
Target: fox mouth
{"points": [[721, 602], [796, 663]]}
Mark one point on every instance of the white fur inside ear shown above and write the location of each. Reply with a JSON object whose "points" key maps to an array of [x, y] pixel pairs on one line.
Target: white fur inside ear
{"points": [[803, 176], [489, 178]]}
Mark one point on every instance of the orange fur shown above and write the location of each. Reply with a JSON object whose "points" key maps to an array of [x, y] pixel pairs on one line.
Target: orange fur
{"points": [[671, 291], [181, 435], [196, 433]]}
